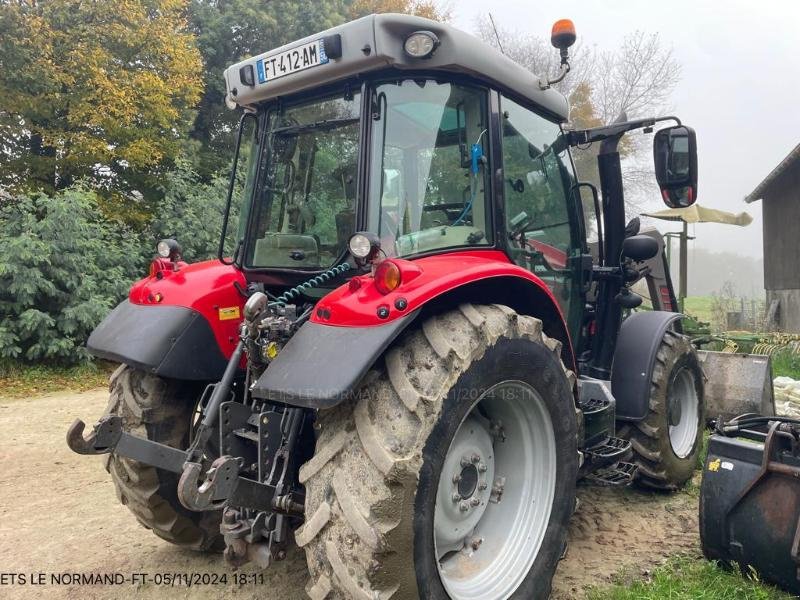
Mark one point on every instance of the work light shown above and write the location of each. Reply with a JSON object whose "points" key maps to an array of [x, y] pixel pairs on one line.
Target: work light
{"points": [[169, 249], [364, 246], [421, 44]]}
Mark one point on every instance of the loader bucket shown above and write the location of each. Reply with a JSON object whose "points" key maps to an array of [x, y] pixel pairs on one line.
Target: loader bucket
{"points": [[750, 504], [737, 384]]}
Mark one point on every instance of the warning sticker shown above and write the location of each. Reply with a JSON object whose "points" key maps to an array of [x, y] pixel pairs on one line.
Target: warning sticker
{"points": [[228, 313]]}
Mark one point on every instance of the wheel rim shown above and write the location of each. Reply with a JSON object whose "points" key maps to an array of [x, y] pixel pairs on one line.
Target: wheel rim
{"points": [[495, 494], [682, 403]]}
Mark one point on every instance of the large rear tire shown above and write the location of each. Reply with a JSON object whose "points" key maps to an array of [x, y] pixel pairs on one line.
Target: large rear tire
{"points": [[475, 402], [667, 442], [160, 410]]}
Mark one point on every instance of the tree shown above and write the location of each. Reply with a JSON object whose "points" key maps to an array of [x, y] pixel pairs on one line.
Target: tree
{"points": [[93, 89], [62, 268], [430, 9]]}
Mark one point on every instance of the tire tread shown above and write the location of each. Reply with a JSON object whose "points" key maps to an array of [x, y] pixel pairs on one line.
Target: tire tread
{"points": [[370, 482]]}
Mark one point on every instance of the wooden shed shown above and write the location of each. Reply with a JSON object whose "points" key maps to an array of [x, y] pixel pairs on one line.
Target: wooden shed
{"points": [[780, 197]]}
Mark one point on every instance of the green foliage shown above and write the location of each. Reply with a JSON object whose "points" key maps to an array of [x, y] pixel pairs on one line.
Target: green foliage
{"points": [[689, 578], [99, 91], [62, 267], [786, 363], [190, 211], [228, 32], [24, 380]]}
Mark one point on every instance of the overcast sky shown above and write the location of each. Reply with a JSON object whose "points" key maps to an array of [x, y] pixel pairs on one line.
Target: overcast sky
{"points": [[740, 85]]}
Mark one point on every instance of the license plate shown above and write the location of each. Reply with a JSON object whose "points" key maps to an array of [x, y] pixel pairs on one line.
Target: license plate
{"points": [[291, 61]]}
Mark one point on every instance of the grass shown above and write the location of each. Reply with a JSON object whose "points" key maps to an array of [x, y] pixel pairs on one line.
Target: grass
{"points": [[22, 381], [700, 307], [687, 578], [786, 363]]}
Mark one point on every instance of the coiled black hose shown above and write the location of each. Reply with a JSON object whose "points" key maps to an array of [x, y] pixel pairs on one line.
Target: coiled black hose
{"points": [[297, 290]]}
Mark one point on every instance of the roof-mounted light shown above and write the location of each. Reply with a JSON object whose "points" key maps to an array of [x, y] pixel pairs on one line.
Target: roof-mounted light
{"points": [[563, 34], [421, 44], [562, 37]]}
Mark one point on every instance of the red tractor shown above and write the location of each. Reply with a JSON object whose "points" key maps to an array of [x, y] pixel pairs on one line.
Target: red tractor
{"points": [[411, 356]]}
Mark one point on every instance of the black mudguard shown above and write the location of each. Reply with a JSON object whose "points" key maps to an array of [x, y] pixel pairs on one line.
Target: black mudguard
{"points": [[322, 364], [634, 359], [169, 341]]}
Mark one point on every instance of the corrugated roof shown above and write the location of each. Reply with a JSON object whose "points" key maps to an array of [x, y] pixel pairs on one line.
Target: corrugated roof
{"points": [[757, 193]]}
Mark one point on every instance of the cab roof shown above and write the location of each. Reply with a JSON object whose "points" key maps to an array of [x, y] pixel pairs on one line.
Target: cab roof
{"points": [[375, 43]]}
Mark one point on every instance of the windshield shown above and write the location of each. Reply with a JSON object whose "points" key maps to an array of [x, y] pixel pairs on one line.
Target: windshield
{"points": [[428, 185], [304, 209]]}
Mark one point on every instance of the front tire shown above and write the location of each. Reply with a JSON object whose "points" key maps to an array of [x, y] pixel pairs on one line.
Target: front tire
{"points": [[381, 517], [160, 410], [667, 443]]}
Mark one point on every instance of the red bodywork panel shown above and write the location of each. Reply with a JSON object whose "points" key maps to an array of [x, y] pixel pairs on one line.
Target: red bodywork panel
{"points": [[206, 287], [356, 304]]}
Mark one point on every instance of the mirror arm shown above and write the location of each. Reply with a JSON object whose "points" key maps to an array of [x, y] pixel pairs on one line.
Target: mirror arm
{"points": [[598, 134]]}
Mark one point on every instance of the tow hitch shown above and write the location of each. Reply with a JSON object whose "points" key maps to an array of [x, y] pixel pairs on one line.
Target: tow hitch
{"points": [[251, 481]]}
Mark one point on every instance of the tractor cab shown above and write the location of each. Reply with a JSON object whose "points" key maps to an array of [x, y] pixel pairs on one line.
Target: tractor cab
{"points": [[409, 130]]}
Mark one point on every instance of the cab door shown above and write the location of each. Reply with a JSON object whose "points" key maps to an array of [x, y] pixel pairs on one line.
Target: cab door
{"points": [[543, 218]]}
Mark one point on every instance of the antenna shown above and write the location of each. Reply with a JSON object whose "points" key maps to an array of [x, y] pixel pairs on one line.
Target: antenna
{"points": [[496, 35]]}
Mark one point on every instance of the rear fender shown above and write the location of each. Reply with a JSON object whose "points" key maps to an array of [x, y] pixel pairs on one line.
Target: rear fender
{"points": [[181, 325], [326, 359], [634, 360]]}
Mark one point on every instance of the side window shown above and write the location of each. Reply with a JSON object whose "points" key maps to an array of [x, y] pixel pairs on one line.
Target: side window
{"points": [[537, 179], [540, 209]]}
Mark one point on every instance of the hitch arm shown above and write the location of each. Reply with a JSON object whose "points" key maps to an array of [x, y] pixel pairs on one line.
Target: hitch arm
{"points": [[103, 439], [107, 436], [222, 482]]}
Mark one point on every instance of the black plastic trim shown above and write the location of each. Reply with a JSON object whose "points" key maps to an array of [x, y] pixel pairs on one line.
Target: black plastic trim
{"points": [[169, 341], [634, 359], [321, 365]]}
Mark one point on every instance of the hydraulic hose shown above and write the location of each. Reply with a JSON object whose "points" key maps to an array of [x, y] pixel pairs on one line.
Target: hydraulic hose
{"points": [[297, 290]]}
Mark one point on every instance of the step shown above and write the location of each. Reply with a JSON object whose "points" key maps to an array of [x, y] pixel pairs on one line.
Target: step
{"points": [[621, 474], [590, 406], [612, 448]]}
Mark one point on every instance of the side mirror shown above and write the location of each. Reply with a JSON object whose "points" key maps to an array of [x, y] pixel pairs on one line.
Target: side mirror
{"points": [[675, 156], [639, 247]]}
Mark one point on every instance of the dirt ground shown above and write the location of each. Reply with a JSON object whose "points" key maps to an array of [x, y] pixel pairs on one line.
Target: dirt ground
{"points": [[59, 516]]}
